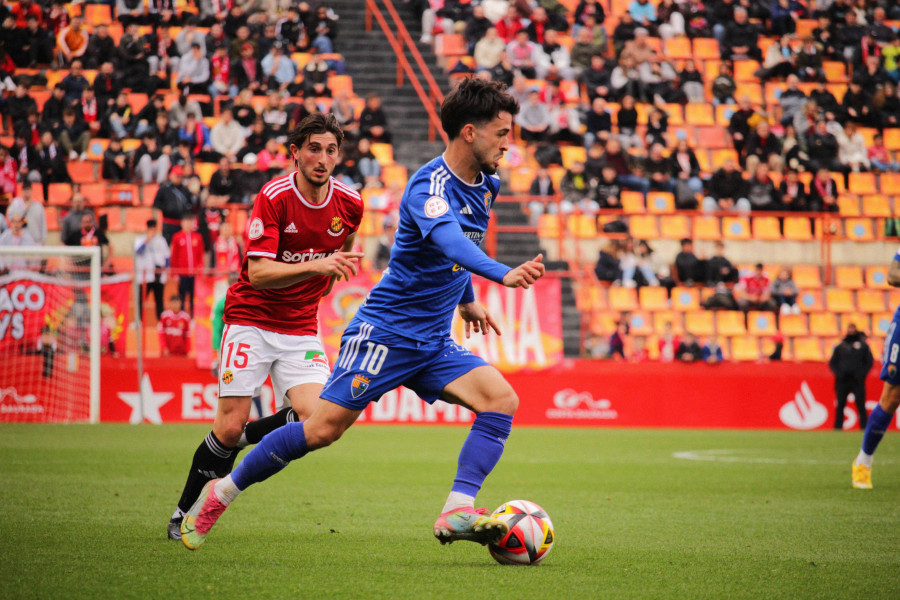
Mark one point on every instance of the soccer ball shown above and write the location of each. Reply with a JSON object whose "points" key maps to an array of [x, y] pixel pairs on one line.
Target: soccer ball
{"points": [[530, 534]]}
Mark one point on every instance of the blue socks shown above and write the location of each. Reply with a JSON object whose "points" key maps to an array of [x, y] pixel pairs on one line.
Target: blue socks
{"points": [[272, 454], [879, 421], [481, 451]]}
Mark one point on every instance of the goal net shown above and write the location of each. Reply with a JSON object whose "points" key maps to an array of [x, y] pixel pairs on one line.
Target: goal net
{"points": [[50, 334]]}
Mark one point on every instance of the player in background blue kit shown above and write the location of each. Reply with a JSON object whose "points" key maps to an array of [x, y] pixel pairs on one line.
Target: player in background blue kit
{"points": [[883, 414], [401, 334]]}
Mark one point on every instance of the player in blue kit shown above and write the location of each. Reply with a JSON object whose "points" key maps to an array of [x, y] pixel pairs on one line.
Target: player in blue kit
{"points": [[880, 419], [401, 334]]}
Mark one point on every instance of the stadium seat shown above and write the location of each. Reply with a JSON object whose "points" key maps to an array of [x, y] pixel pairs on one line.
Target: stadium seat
{"points": [[81, 171], [744, 70], [96, 147], [706, 48], [807, 276], [736, 228], [685, 298], [94, 193], [767, 347], [876, 205], [97, 14], [766, 229], [582, 226], [520, 179], [678, 48], [823, 324], [797, 229], [148, 193], [859, 229], [640, 323], [548, 226], [450, 44], [706, 228], [674, 227], [643, 227], [700, 323], [632, 202], [891, 142], [661, 202], [60, 194], [860, 320], [848, 205], [839, 300], [653, 298], [384, 153], [876, 277], [114, 220], [849, 277], [674, 318], [340, 83], [881, 323], [745, 348], [136, 218], [623, 299], [870, 301], [396, 173], [603, 322], [835, 71], [720, 156], [52, 215], [808, 349], [761, 323], [712, 138], [571, 154], [810, 300], [730, 323], [699, 114], [794, 325]]}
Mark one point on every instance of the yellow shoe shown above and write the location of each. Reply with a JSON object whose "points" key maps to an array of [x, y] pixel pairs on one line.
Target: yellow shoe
{"points": [[861, 477]]}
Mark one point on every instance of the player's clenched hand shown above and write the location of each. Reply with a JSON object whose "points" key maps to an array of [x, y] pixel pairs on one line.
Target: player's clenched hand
{"points": [[340, 265], [477, 319], [525, 274]]}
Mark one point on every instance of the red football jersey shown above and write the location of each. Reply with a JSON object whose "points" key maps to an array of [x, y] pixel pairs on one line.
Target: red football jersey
{"points": [[287, 228], [175, 332]]}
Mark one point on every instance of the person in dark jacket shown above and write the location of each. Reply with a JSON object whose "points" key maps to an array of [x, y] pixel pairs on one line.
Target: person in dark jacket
{"points": [[172, 202], [851, 362]]}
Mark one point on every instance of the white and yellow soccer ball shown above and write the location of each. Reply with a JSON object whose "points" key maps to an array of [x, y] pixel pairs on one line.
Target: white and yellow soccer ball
{"points": [[530, 536]]}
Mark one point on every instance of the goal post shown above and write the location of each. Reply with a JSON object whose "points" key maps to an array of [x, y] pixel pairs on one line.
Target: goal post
{"points": [[50, 326]]}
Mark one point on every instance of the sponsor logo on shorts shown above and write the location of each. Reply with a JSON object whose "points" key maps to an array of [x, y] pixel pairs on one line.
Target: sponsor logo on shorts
{"points": [[336, 227], [316, 357], [359, 385], [227, 377], [435, 207], [255, 231]]}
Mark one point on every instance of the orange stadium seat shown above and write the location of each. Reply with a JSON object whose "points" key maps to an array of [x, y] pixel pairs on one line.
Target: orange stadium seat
{"points": [[623, 299], [136, 218], [643, 227], [712, 138], [81, 171], [685, 298], [767, 345], [632, 202], [761, 323], [113, 216], [849, 277], [122, 193], [848, 205], [736, 228], [881, 323], [807, 276], [148, 193], [678, 48], [571, 154], [674, 318], [797, 229], [340, 83], [871, 301], [699, 114], [706, 228], [810, 300], [839, 300], [653, 298], [96, 147], [823, 324], [582, 226], [808, 349], [876, 205], [766, 228], [674, 227], [744, 71], [730, 323], [794, 325], [384, 153], [835, 71], [745, 348], [859, 229], [661, 202], [548, 226], [891, 142], [876, 277], [706, 48], [640, 323], [700, 323], [94, 193], [603, 322], [395, 173], [861, 320], [60, 194]]}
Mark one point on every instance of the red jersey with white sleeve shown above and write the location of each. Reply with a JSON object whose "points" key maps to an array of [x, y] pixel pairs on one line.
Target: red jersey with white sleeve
{"points": [[175, 332], [286, 227]]}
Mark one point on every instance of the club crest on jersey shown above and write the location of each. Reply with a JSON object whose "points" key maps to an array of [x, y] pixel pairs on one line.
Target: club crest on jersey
{"points": [[359, 385], [435, 207], [336, 227], [255, 231], [227, 377], [487, 199]]}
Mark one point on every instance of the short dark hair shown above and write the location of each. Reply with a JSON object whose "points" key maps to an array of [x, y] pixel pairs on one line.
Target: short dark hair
{"points": [[477, 102], [151, 223], [314, 124]]}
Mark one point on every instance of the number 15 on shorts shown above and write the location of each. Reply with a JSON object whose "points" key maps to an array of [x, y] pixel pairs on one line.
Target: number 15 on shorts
{"points": [[239, 351]]}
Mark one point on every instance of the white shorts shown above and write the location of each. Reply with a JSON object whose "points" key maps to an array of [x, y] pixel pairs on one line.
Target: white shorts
{"points": [[250, 353]]}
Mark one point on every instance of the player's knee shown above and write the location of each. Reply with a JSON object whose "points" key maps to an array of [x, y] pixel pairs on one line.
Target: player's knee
{"points": [[319, 436], [229, 432], [504, 401]]}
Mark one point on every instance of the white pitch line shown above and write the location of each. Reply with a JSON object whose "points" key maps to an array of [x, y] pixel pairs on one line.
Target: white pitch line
{"points": [[725, 455]]}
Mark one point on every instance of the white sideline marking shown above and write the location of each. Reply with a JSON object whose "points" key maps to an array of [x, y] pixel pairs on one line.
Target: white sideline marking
{"points": [[727, 456]]}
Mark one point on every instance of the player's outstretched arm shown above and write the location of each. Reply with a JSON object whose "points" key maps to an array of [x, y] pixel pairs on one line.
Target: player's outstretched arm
{"points": [[893, 275], [265, 273], [525, 274]]}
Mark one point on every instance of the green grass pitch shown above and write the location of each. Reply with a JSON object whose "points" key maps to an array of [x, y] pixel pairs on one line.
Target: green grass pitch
{"points": [[736, 515]]}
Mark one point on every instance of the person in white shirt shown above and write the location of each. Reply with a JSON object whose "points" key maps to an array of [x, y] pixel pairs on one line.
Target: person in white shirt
{"points": [[33, 212], [151, 257], [227, 136], [16, 235]]}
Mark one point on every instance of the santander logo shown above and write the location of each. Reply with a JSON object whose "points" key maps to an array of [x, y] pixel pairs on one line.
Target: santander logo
{"points": [[804, 411]]}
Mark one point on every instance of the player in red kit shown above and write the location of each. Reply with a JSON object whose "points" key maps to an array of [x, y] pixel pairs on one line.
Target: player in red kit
{"points": [[186, 260], [175, 329], [298, 242]]}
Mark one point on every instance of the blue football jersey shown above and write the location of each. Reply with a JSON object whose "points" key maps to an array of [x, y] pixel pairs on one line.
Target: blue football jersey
{"points": [[421, 287]]}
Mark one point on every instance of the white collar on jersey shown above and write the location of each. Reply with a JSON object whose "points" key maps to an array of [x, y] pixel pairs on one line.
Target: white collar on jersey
{"points": [[307, 202], [479, 183]]}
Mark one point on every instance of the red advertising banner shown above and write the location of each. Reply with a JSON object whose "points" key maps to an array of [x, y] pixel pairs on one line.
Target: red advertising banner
{"points": [[583, 393], [44, 341]]}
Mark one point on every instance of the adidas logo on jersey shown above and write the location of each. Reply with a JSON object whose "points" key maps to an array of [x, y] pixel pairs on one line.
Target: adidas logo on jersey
{"points": [[291, 228], [466, 210]]}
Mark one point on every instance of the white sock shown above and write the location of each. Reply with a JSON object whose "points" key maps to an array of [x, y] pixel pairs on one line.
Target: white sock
{"points": [[458, 500], [864, 459], [226, 491], [243, 443], [178, 514]]}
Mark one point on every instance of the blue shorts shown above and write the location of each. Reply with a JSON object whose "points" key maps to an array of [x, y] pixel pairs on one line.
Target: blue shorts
{"points": [[373, 361], [890, 367]]}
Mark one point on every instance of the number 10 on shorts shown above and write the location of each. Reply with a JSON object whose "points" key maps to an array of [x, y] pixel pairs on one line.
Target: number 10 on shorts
{"points": [[374, 358]]}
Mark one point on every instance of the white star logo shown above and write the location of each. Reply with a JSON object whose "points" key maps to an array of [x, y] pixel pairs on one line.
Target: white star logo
{"points": [[152, 401]]}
